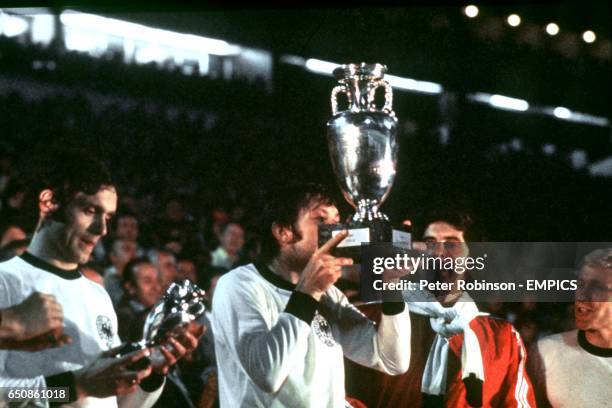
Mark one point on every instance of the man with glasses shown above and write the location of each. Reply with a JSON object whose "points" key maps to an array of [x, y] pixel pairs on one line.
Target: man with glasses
{"points": [[460, 357]]}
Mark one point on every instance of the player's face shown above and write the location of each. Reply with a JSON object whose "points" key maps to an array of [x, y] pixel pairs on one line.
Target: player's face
{"points": [[445, 241], [148, 290], [86, 221], [593, 306], [308, 226]]}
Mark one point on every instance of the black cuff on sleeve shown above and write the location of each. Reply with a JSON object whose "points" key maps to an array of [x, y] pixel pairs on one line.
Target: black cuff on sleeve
{"points": [[302, 306], [64, 380], [152, 382], [393, 308]]}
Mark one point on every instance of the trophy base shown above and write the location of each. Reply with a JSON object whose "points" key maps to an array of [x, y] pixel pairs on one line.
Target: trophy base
{"points": [[364, 233]]}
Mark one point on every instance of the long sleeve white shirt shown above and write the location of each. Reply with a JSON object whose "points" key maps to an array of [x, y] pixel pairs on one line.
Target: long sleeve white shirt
{"points": [[268, 357], [89, 318]]}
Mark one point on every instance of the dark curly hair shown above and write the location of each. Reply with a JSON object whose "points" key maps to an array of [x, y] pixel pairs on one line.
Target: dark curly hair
{"points": [[460, 219], [282, 207], [66, 172]]}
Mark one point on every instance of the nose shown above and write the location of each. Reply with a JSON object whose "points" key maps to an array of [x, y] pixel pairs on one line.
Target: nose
{"points": [[437, 249], [99, 226]]}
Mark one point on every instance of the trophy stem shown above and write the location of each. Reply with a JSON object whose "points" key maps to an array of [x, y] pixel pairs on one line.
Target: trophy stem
{"points": [[367, 210]]}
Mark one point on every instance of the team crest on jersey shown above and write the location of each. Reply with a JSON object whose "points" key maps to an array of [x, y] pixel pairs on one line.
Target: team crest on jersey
{"points": [[323, 330], [105, 330]]}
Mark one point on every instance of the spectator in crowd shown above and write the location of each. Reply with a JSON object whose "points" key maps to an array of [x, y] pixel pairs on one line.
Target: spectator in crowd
{"points": [[12, 201], [165, 263], [574, 368], [11, 232], [207, 388], [13, 241], [528, 326], [227, 255], [281, 326], [141, 292], [219, 219], [13, 248], [75, 199], [126, 229], [186, 269], [122, 252]]}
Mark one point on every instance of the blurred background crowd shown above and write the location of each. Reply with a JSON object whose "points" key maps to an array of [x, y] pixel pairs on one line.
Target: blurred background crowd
{"points": [[193, 150]]}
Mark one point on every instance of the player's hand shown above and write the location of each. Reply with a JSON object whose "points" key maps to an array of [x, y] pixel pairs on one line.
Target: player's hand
{"points": [[107, 375], [53, 338], [175, 348], [323, 269], [33, 324]]}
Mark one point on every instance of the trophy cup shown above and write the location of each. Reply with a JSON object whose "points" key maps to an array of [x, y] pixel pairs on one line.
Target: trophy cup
{"points": [[182, 303], [363, 149]]}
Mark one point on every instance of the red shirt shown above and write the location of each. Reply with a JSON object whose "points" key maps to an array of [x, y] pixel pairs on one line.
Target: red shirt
{"points": [[503, 355]]}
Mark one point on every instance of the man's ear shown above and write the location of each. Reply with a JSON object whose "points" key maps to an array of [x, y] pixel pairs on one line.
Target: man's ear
{"points": [[45, 203], [283, 235]]}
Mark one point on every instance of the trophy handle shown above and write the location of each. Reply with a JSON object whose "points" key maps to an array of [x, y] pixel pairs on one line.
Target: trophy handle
{"points": [[334, 97], [388, 95]]}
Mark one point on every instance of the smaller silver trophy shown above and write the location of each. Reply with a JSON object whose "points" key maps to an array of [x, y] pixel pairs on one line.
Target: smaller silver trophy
{"points": [[182, 303], [363, 148]]}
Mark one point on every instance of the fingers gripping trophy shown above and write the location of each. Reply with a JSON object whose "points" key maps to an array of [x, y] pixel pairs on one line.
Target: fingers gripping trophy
{"points": [[363, 149], [182, 303]]}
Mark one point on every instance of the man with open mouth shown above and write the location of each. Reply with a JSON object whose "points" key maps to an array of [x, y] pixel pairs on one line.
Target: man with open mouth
{"points": [[574, 368]]}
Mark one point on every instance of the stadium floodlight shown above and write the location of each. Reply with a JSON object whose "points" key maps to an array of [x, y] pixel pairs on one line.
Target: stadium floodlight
{"points": [[148, 35], [12, 26], [471, 11], [414, 85], [505, 102], [514, 20], [589, 36], [562, 113], [552, 29], [320, 66]]}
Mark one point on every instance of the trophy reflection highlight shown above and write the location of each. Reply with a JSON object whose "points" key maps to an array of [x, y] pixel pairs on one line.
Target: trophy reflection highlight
{"points": [[363, 149], [182, 303]]}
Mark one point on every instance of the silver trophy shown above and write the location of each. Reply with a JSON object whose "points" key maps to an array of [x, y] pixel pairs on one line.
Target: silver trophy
{"points": [[362, 142], [182, 303]]}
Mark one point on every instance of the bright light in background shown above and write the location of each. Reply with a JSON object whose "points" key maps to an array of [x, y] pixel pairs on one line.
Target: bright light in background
{"points": [[12, 26], [293, 60], [327, 68], [562, 113], [43, 28], [514, 20], [552, 29], [506, 102], [320, 66], [137, 32], [549, 149], [471, 11], [559, 112], [91, 42], [414, 85], [589, 36], [144, 55]]}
